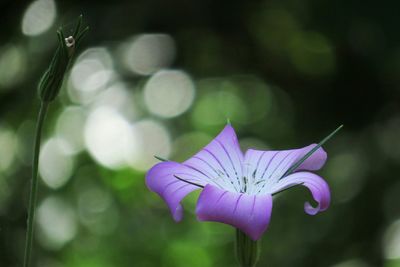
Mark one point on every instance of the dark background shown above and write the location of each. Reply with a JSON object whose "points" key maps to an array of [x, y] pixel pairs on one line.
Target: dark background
{"points": [[286, 73]]}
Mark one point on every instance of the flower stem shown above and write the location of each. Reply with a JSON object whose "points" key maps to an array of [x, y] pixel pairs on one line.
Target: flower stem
{"points": [[34, 183], [247, 250]]}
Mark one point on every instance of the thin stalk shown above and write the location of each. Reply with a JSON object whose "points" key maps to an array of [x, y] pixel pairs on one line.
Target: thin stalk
{"points": [[34, 183], [247, 250]]}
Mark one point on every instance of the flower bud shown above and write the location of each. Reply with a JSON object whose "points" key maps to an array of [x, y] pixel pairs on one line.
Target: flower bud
{"points": [[51, 81]]}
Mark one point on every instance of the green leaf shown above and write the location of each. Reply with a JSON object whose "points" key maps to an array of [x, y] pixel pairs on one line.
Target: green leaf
{"points": [[306, 156], [160, 158]]}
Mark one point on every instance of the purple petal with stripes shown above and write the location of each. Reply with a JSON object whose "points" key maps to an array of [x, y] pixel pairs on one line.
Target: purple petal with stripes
{"points": [[161, 180], [221, 159], [251, 214], [318, 187], [219, 164], [272, 165]]}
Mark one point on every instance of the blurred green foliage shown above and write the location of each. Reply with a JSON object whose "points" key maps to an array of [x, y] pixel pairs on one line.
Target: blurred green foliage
{"points": [[162, 77]]}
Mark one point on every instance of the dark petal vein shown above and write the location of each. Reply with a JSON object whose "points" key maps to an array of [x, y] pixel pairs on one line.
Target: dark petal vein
{"points": [[237, 203]]}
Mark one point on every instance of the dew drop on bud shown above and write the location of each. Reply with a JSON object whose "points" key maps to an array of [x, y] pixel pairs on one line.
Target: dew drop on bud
{"points": [[70, 41]]}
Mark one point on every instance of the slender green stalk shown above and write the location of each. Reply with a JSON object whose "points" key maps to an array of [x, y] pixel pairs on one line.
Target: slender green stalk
{"points": [[49, 87], [34, 183], [247, 250]]}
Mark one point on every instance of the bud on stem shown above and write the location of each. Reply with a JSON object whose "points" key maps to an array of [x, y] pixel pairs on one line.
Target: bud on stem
{"points": [[49, 87], [51, 81]]}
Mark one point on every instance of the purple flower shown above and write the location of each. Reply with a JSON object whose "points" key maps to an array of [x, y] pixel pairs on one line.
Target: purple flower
{"points": [[237, 188]]}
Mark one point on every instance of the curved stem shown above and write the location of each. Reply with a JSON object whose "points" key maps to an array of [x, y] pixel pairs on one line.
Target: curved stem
{"points": [[34, 183]]}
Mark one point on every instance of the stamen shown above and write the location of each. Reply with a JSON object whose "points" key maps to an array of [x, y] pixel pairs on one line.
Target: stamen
{"points": [[244, 189]]}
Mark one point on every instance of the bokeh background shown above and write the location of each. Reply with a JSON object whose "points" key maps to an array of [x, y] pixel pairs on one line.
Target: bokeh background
{"points": [[161, 78]]}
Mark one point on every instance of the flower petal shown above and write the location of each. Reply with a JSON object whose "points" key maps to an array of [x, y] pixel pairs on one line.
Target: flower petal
{"points": [[161, 180], [318, 187], [219, 164], [221, 160], [251, 214], [270, 166]]}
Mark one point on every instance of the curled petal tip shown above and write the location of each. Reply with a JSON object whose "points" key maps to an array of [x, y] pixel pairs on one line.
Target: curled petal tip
{"points": [[310, 210], [318, 187]]}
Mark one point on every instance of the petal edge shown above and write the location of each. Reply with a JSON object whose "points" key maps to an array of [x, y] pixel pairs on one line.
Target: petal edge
{"points": [[160, 179]]}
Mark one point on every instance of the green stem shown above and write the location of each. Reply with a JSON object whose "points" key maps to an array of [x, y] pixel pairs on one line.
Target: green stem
{"points": [[247, 250], [34, 183]]}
